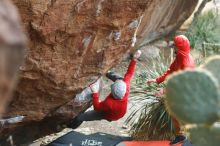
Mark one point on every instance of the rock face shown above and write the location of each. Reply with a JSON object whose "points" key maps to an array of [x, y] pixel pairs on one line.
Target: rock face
{"points": [[74, 42], [12, 43], [162, 17]]}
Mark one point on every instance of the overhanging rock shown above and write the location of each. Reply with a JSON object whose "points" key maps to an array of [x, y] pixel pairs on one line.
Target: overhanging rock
{"points": [[74, 42]]}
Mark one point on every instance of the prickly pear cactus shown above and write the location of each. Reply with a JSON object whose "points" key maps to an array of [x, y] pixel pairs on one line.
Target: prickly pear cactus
{"points": [[193, 97], [213, 65]]}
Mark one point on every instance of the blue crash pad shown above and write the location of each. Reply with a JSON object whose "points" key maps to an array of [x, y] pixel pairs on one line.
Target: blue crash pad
{"points": [[78, 139]]}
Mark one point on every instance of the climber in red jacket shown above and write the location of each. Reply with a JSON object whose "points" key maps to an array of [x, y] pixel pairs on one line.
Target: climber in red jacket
{"points": [[183, 60], [114, 106]]}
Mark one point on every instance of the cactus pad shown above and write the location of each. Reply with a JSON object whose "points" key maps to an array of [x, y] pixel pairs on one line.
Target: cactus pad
{"points": [[193, 97], [213, 65]]}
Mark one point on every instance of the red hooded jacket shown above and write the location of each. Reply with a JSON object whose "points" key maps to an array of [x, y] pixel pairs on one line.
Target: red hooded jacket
{"points": [[115, 109], [183, 58]]}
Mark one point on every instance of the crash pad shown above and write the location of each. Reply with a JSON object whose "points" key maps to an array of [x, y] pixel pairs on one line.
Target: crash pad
{"points": [[79, 139], [151, 143]]}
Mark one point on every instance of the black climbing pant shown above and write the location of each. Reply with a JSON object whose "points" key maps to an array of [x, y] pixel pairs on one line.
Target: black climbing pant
{"points": [[91, 115]]}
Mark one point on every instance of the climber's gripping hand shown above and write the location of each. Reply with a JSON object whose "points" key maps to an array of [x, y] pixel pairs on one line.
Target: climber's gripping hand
{"points": [[94, 88], [137, 54]]}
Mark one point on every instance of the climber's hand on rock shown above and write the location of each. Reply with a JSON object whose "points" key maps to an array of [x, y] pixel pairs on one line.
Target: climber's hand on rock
{"points": [[137, 54], [94, 88]]}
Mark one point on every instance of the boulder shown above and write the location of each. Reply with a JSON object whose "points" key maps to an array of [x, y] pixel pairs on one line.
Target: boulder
{"points": [[71, 44]]}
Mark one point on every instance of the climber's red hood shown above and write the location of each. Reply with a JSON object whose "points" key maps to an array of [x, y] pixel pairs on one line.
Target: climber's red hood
{"points": [[182, 44]]}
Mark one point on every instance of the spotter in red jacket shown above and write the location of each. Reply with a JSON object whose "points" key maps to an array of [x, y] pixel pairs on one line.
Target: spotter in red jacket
{"points": [[183, 58]]}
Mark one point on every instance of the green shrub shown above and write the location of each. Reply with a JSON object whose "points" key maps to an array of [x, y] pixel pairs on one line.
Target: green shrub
{"points": [[206, 30], [149, 119]]}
